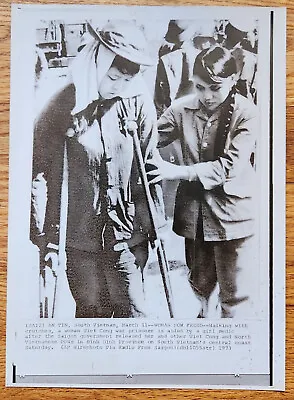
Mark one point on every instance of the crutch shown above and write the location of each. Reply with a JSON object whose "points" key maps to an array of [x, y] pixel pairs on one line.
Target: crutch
{"points": [[161, 255]]}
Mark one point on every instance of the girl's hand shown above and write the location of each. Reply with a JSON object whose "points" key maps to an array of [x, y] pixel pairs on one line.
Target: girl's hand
{"points": [[159, 169]]}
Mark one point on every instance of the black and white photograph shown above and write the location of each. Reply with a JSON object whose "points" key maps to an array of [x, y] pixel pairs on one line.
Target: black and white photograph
{"points": [[141, 196], [162, 161]]}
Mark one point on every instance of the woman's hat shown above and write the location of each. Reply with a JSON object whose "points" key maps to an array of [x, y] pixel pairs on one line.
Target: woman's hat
{"points": [[125, 39]]}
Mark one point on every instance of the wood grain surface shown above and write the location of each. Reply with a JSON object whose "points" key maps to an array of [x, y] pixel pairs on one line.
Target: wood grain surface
{"points": [[140, 394]]}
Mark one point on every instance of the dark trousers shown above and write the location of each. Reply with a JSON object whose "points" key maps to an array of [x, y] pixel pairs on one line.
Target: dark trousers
{"points": [[233, 265], [108, 283]]}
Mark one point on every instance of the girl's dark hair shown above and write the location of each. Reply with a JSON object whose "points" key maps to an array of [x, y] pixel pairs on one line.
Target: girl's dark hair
{"points": [[213, 64], [125, 66], [173, 32]]}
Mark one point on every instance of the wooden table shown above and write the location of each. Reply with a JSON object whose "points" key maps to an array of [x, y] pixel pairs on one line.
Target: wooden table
{"points": [[58, 394]]}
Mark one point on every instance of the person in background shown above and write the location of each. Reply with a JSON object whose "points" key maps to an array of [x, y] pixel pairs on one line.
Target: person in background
{"points": [[214, 207], [82, 138], [174, 65], [241, 39]]}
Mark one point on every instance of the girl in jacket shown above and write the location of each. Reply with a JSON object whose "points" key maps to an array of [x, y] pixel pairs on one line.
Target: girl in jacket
{"points": [[214, 208], [83, 138]]}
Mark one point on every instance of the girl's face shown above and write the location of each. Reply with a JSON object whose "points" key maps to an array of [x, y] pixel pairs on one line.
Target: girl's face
{"points": [[113, 84], [212, 95]]}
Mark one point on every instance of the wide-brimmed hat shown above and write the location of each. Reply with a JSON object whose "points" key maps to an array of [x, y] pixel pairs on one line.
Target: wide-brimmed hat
{"points": [[125, 39]]}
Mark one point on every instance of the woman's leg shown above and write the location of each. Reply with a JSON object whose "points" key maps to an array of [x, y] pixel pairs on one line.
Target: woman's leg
{"points": [[124, 282], [141, 252], [87, 284]]}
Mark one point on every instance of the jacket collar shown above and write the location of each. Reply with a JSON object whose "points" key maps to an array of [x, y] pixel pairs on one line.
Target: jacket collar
{"points": [[193, 103]]}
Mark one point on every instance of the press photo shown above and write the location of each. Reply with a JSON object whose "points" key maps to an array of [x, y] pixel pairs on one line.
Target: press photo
{"points": [[144, 196]]}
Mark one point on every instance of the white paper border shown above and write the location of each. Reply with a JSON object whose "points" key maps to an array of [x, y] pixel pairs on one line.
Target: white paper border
{"points": [[278, 160]]}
